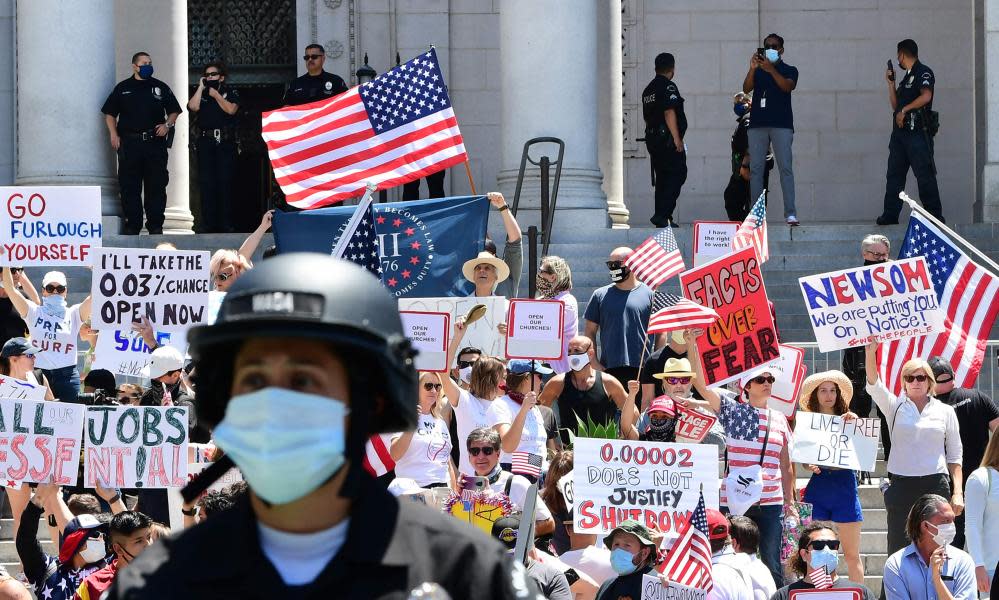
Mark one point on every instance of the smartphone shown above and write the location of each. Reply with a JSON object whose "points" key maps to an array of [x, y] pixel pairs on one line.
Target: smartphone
{"points": [[760, 52], [474, 484], [891, 69]]}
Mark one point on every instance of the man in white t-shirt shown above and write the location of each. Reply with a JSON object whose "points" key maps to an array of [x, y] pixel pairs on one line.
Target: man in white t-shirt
{"points": [[745, 538], [727, 573]]}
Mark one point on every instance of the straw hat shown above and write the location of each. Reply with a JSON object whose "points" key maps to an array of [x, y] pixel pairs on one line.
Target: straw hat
{"points": [[675, 367], [468, 269], [813, 381]]}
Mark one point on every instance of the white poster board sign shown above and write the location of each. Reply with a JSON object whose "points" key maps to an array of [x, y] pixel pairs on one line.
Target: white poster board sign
{"points": [[136, 446], [40, 441], [428, 333], [712, 239], [482, 334], [830, 441], [49, 226], [170, 287], [125, 353], [653, 589], [18, 389], [789, 372], [535, 329]]}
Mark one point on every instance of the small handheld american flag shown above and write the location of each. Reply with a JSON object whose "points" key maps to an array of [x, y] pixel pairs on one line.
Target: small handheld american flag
{"points": [[525, 463], [656, 259], [689, 560], [671, 312], [821, 578], [753, 231]]}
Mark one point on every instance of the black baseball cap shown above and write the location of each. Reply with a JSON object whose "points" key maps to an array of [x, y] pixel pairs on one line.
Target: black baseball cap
{"points": [[940, 366], [18, 346], [506, 529]]}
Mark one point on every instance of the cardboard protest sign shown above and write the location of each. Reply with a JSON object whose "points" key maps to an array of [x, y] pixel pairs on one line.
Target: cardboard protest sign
{"points": [[428, 333], [789, 371], [565, 486], [198, 461], [136, 446], [49, 226], [170, 287], [39, 441], [826, 594], [653, 589], [692, 425], [744, 336], [534, 329], [17, 389], [481, 334], [829, 441], [712, 239], [882, 302], [125, 353], [653, 483]]}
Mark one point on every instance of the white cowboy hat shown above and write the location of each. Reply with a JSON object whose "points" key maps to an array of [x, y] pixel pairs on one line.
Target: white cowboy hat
{"points": [[468, 269]]}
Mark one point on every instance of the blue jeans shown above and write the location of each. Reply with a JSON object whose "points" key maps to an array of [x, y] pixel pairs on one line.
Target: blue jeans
{"points": [[64, 382], [771, 524], [780, 138]]}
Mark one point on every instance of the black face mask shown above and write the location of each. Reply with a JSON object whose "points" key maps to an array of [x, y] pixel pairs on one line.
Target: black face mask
{"points": [[868, 262], [618, 270], [212, 83]]}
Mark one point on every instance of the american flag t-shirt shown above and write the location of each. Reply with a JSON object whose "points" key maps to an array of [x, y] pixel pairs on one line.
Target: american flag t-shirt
{"points": [[525, 463], [753, 231], [671, 312], [656, 259], [689, 560], [746, 433], [392, 130]]}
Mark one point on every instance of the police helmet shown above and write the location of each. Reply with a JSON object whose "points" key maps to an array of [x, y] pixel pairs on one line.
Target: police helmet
{"points": [[317, 297]]}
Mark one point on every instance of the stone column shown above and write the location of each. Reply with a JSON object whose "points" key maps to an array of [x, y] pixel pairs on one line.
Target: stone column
{"points": [[612, 114], [990, 175], [65, 68], [550, 87]]}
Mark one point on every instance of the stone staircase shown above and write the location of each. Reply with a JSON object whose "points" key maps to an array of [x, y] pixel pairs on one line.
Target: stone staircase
{"points": [[8, 551]]}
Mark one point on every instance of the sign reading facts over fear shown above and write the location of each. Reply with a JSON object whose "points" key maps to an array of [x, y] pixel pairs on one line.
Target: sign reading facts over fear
{"points": [[39, 441], [169, 287], [534, 329], [136, 446], [49, 226]]}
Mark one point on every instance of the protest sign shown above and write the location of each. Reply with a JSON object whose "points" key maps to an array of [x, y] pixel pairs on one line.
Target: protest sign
{"points": [[428, 332], [565, 486], [170, 287], [136, 446], [481, 334], [534, 329], [49, 226], [789, 373], [125, 353], [17, 389], [712, 239], [197, 461], [39, 441], [876, 303], [827, 594], [692, 425], [830, 441], [653, 589], [654, 483], [744, 336]]}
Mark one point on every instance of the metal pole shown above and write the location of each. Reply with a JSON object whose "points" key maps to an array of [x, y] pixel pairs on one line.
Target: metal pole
{"points": [[545, 198], [532, 261]]}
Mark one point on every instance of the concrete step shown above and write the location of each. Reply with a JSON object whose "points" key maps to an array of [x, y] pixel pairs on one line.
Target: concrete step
{"points": [[8, 551], [7, 529]]}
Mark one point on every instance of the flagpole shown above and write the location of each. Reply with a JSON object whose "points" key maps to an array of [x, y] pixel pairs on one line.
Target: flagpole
{"points": [[645, 346], [468, 171], [978, 253], [355, 219]]}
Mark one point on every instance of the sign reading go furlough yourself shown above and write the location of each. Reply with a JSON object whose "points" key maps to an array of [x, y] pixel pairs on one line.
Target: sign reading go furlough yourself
{"points": [[534, 329], [39, 441], [654, 483], [744, 336], [831, 441], [49, 226], [169, 287], [428, 332], [136, 446], [876, 303]]}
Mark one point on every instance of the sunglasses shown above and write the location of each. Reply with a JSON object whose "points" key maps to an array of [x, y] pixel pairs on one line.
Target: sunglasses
{"points": [[677, 380], [312, 57], [223, 276], [948, 380], [463, 364], [919, 378], [486, 451], [428, 386], [14, 270], [823, 544], [764, 379], [213, 74], [127, 399], [55, 289]]}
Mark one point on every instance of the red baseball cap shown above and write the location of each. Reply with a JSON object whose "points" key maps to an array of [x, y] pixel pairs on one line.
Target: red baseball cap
{"points": [[663, 404], [717, 525]]}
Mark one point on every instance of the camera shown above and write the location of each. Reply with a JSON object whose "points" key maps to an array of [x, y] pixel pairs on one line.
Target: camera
{"points": [[98, 398]]}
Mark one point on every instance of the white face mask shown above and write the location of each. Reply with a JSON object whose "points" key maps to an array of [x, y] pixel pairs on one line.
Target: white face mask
{"points": [[578, 361], [465, 374], [94, 550], [55, 305], [946, 532]]}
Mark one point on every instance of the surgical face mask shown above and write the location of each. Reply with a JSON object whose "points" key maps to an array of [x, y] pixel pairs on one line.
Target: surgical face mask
{"points": [[465, 374], [94, 551], [618, 270], [772, 55], [54, 305], [622, 561], [945, 533], [578, 361], [826, 557], [146, 71], [286, 443]]}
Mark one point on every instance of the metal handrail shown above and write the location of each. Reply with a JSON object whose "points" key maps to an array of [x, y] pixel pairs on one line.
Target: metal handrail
{"points": [[549, 194]]}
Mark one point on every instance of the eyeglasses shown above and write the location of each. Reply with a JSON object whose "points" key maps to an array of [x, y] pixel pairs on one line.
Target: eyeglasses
{"points": [[312, 57], [879, 255], [55, 289], [677, 380], [432, 386], [764, 379], [213, 74], [127, 398], [546, 271], [823, 544], [464, 364], [486, 451], [918, 378]]}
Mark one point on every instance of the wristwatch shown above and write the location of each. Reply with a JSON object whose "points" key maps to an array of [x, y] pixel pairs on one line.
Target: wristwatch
{"points": [[191, 513], [504, 207]]}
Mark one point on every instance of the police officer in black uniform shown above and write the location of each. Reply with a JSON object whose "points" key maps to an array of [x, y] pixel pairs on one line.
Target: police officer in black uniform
{"points": [[139, 114], [665, 126], [316, 84], [911, 142], [215, 104], [306, 361]]}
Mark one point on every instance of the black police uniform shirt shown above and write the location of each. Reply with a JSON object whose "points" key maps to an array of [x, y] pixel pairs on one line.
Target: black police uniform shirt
{"points": [[140, 104], [211, 115], [975, 411], [915, 80], [309, 88], [659, 96], [772, 105]]}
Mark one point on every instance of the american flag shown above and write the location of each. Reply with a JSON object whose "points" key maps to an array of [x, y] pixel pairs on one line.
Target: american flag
{"points": [[657, 259], [820, 578], [753, 231], [689, 560], [671, 312], [966, 292], [377, 459], [525, 463], [362, 247], [395, 129]]}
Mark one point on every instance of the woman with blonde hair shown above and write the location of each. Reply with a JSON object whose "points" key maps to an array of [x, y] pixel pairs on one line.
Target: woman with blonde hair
{"points": [[227, 265], [554, 282], [423, 454], [927, 426], [981, 516]]}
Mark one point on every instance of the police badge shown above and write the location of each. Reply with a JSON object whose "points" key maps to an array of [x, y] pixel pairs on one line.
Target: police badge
{"points": [[329, 85], [157, 93]]}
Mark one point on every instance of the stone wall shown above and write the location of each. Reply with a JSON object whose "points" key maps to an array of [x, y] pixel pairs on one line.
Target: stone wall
{"points": [[8, 94]]}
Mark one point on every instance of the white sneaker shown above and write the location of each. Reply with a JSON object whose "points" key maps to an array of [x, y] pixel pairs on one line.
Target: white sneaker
{"points": [[793, 221]]}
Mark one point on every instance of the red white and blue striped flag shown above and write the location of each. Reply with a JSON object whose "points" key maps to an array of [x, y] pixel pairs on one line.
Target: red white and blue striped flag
{"points": [[377, 459], [671, 313], [689, 560], [657, 259], [753, 231], [525, 463], [392, 130]]}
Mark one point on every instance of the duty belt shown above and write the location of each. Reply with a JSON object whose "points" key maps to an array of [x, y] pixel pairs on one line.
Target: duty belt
{"points": [[145, 136], [219, 135]]}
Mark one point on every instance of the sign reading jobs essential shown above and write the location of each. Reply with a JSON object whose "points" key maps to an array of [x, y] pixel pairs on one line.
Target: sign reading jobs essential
{"points": [[49, 226], [136, 446], [877, 303], [170, 287]]}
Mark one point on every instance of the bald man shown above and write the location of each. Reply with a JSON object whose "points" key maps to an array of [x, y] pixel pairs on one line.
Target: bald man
{"points": [[12, 589], [619, 314]]}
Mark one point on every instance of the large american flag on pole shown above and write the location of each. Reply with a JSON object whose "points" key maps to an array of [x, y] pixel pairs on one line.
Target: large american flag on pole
{"points": [[657, 259], [395, 129], [967, 294], [689, 560], [753, 231]]}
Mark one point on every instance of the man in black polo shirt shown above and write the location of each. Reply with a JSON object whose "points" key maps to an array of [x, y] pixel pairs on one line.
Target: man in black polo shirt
{"points": [[216, 105], [665, 126], [977, 417], [139, 113], [772, 80], [316, 84]]}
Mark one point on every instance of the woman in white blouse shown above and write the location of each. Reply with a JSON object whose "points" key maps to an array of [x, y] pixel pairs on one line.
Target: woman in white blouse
{"points": [[981, 516], [925, 431], [424, 454]]}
